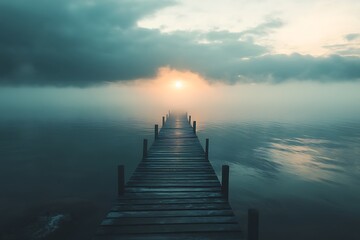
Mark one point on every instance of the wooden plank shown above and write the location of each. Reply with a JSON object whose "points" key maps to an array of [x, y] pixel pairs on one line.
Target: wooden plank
{"points": [[170, 143], [168, 228], [175, 158], [172, 185], [178, 206], [176, 176], [174, 165], [156, 147], [173, 178], [177, 151], [228, 235], [168, 220], [171, 189], [176, 154], [171, 170], [170, 201], [195, 168], [170, 213], [174, 173], [162, 181], [152, 195]]}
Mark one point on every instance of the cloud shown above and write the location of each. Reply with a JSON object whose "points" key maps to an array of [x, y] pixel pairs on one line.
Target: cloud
{"points": [[351, 47], [82, 43], [352, 36], [279, 68], [263, 29], [74, 42]]}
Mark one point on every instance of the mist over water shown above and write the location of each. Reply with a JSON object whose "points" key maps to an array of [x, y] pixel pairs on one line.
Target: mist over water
{"points": [[293, 151]]}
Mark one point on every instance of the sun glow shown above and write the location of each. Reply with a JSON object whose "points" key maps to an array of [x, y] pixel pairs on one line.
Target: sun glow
{"points": [[174, 89], [178, 84]]}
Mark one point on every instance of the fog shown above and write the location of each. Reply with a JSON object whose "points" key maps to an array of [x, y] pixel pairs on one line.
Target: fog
{"points": [[209, 100], [65, 143]]}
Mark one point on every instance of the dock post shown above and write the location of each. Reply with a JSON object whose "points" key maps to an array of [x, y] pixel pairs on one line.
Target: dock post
{"points": [[190, 119], [156, 131], [207, 149], [225, 181], [253, 224], [194, 126], [121, 180], [163, 121], [145, 148]]}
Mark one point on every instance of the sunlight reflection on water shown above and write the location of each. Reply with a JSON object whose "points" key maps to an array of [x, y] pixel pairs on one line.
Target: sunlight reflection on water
{"points": [[296, 172], [306, 151], [307, 158]]}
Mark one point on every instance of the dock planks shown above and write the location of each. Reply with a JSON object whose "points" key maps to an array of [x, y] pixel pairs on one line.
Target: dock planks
{"points": [[173, 194]]}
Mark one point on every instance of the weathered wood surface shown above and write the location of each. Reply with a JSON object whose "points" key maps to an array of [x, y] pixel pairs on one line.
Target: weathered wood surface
{"points": [[173, 194]]}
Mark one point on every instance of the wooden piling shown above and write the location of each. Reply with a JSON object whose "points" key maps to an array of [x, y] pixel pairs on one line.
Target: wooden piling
{"points": [[145, 143], [163, 121], [121, 180], [225, 181], [156, 131], [190, 119], [194, 127], [253, 224], [207, 149]]}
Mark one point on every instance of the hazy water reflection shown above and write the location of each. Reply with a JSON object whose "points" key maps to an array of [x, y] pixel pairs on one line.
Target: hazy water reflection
{"points": [[303, 177], [63, 166]]}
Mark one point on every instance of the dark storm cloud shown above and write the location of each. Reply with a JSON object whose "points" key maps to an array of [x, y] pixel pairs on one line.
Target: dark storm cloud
{"points": [[72, 42], [84, 43]]}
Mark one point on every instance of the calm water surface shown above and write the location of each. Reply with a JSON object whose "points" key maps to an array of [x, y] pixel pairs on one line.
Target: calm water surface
{"points": [[303, 177]]}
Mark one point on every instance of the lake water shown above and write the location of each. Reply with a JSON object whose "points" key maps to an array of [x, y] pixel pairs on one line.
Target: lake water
{"points": [[303, 177], [293, 151]]}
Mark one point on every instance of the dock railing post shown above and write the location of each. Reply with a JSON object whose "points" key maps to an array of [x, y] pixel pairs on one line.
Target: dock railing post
{"points": [[253, 224], [145, 148], [225, 181], [189, 119], [121, 180], [194, 126], [207, 149], [156, 131], [163, 121]]}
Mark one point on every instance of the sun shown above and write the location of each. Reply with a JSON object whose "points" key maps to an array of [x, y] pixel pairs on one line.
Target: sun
{"points": [[178, 84]]}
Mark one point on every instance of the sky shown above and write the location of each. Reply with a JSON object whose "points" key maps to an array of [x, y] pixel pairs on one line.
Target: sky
{"points": [[84, 43], [75, 69]]}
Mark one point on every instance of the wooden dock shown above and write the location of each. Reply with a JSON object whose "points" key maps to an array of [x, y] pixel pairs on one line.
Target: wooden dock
{"points": [[174, 193]]}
